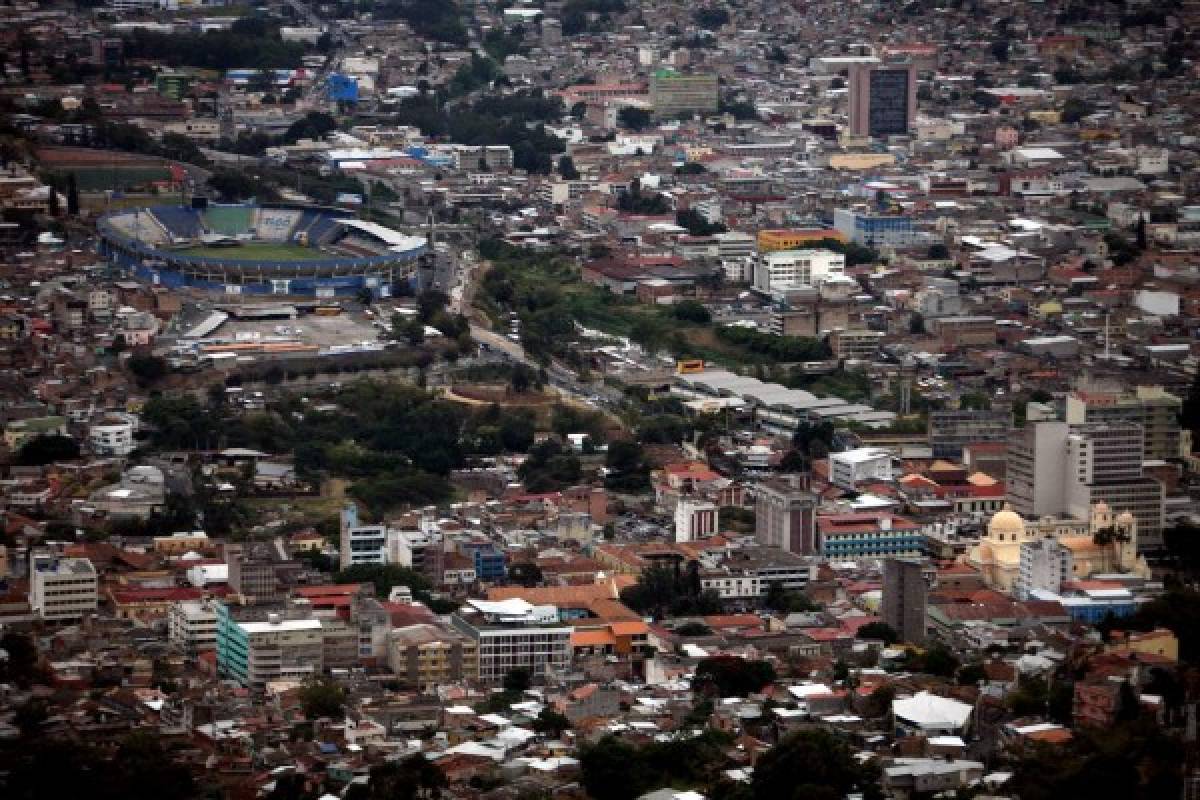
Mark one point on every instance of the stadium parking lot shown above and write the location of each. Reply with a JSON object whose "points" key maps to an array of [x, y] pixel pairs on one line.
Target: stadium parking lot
{"points": [[346, 328]]}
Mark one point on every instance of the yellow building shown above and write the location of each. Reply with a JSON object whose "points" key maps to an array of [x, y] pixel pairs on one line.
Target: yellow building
{"points": [[1158, 642], [427, 656], [777, 239], [1104, 543], [998, 554], [857, 161]]}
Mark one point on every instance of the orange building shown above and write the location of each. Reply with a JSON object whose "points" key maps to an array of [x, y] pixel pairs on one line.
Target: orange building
{"points": [[772, 240]]}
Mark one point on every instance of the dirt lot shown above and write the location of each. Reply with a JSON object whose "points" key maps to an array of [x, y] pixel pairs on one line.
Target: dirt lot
{"points": [[311, 329]]}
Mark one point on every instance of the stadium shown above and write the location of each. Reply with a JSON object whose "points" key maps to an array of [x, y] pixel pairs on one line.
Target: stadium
{"points": [[259, 249]]}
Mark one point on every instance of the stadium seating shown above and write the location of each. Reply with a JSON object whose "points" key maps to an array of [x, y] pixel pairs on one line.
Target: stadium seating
{"points": [[180, 222], [307, 219], [141, 225], [323, 231], [229, 220]]}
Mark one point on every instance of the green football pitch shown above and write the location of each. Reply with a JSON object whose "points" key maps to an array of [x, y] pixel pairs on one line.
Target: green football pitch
{"points": [[256, 251]]}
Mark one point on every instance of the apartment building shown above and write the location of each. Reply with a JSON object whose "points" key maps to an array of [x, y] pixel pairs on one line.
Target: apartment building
{"points": [[861, 344], [883, 99], [867, 535], [192, 626], [513, 633], [61, 589], [951, 431], [695, 519], [789, 268], [966, 331], [360, 544], [875, 230], [785, 512], [112, 435], [774, 239], [748, 573], [427, 656], [254, 652], [851, 467], [904, 598], [1151, 407]]}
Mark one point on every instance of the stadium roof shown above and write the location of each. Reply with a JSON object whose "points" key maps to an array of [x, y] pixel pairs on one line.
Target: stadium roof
{"points": [[387, 235]]}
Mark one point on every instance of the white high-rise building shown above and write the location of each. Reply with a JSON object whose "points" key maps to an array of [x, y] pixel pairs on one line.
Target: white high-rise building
{"points": [[61, 589], [1055, 469], [791, 268], [694, 519], [192, 626], [361, 544]]}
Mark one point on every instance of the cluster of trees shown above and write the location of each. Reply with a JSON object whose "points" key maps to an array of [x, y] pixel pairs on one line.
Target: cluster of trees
{"points": [[251, 42], [636, 201], [780, 599], [439, 20], [711, 17], [530, 285], [385, 577], [137, 767], [412, 778], [661, 591], [855, 253], [550, 467], [730, 676], [322, 697], [634, 119], [628, 468], [774, 348], [806, 765], [616, 769], [575, 14], [1135, 759], [517, 119], [397, 442], [47, 449], [696, 224]]}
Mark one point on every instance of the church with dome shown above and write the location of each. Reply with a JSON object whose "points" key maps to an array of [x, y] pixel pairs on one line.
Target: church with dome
{"points": [[1105, 543]]}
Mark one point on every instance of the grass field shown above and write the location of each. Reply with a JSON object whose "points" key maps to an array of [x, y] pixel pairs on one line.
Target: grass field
{"points": [[257, 251], [119, 177]]}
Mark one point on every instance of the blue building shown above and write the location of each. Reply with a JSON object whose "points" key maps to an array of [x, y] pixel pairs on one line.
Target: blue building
{"points": [[491, 564], [341, 88], [875, 230]]}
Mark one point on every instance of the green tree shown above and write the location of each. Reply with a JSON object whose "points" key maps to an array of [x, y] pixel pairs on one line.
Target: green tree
{"points": [[634, 119], [525, 573], [880, 631], [551, 723], [47, 449], [517, 679], [72, 195], [730, 676], [322, 698], [628, 470], [566, 168], [813, 765]]}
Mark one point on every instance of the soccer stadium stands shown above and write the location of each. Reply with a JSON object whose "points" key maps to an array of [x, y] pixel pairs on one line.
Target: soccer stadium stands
{"points": [[346, 256], [229, 220], [324, 231], [307, 219], [180, 222], [145, 226]]}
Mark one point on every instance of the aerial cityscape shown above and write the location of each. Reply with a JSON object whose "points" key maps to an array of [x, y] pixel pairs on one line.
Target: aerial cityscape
{"points": [[599, 400]]}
